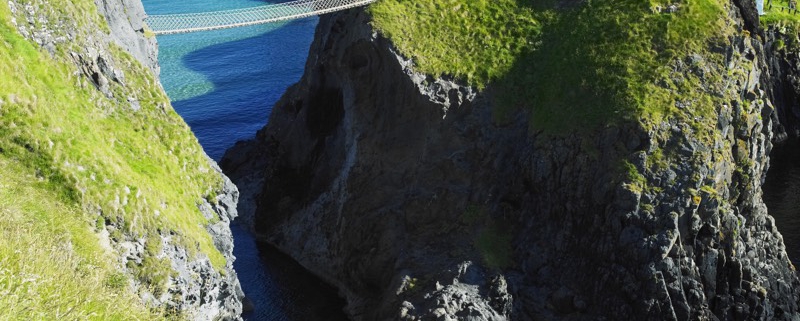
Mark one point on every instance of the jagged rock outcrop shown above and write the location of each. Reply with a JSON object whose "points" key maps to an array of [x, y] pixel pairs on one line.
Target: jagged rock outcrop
{"points": [[402, 191], [195, 289], [749, 14]]}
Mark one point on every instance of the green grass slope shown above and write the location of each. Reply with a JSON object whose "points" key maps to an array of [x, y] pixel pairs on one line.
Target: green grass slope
{"points": [[51, 264], [778, 12], [574, 68], [73, 160]]}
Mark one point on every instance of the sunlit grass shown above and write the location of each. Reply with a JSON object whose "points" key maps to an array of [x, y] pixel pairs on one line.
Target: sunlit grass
{"points": [[573, 68], [51, 264], [73, 159], [475, 40], [779, 12], [144, 167]]}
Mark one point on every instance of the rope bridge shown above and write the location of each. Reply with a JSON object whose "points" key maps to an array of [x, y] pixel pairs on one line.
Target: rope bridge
{"points": [[191, 22]]}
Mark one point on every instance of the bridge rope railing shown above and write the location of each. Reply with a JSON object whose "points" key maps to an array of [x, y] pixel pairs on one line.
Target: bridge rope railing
{"points": [[191, 22]]}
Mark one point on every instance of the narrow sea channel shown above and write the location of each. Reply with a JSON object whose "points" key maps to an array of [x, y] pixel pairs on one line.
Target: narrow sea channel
{"points": [[224, 84]]}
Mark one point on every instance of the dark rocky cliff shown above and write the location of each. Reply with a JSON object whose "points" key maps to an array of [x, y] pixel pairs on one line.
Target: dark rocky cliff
{"points": [[401, 190], [783, 60]]}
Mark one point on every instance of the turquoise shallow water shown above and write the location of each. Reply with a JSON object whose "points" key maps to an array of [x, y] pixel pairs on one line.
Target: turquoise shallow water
{"points": [[224, 84]]}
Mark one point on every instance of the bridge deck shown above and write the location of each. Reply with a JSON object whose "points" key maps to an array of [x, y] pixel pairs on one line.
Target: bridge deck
{"points": [[191, 22]]}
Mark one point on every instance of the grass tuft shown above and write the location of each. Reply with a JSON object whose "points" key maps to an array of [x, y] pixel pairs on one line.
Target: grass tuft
{"points": [[494, 245]]}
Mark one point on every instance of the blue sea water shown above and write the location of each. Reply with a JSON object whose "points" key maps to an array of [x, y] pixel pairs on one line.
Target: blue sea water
{"points": [[224, 84]]}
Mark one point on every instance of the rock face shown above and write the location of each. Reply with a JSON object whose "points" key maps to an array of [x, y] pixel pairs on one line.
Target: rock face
{"points": [[403, 192], [783, 60], [126, 20], [195, 289]]}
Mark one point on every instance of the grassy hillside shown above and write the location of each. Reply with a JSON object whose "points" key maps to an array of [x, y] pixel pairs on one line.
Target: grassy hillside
{"points": [[574, 68], [72, 161], [52, 266], [778, 12]]}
